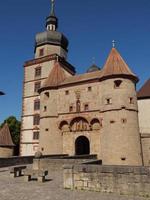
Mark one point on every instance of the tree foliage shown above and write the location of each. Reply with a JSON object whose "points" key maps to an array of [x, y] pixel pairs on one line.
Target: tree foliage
{"points": [[14, 127]]}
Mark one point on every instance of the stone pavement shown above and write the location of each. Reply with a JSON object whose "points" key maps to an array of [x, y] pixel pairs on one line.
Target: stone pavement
{"points": [[52, 189]]}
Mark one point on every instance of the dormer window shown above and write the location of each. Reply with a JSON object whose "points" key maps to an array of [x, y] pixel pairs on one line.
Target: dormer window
{"points": [[117, 83]]}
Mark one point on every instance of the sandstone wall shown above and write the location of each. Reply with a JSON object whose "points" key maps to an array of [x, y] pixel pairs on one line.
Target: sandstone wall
{"points": [[121, 180]]}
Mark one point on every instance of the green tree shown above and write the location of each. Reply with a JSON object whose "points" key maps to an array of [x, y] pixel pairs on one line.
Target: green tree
{"points": [[14, 127]]}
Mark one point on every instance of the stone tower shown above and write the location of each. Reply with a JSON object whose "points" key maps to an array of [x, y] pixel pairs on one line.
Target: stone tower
{"points": [[120, 137], [49, 46]]}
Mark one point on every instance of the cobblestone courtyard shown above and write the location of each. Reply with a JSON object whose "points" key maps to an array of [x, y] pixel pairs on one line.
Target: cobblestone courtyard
{"points": [[52, 189]]}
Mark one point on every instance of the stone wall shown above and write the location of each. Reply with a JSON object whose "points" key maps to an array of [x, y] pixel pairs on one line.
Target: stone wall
{"points": [[57, 162], [24, 160], [121, 180]]}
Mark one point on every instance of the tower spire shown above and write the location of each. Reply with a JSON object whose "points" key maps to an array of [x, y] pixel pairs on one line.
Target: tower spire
{"points": [[52, 13], [52, 21]]}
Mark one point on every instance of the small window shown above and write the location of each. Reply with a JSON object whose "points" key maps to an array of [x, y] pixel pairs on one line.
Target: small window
{"points": [[37, 86], [37, 104], [112, 121], [117, 83], [36, 135], [124, 121], [46, 129], [46, 95], [36, 119], [86, 107], [41, 52], [108, 101], [71, 109], [131, 100], [45, 108], [67, 92], [89, 89], [123, 158], [38, 72]]}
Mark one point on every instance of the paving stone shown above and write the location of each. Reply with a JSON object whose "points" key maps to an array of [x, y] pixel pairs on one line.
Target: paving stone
{"points": [[52, 189]]}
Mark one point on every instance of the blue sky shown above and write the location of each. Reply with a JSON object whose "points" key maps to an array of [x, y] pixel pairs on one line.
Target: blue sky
{"points": [[90, 26]]}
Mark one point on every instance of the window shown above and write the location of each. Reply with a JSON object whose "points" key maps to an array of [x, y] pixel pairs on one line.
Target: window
{"points": [[131, 100], [45, 108], [36, 119], [108, 101], [46, 95], [86, 107], [46, 129], [112, 121], [89, 89], [38, 72], [37, 104], [37, 86], [71, 109], [36, 135], [117, 83], [67, 92], [123, 158], [124, 121], [41, 52]]}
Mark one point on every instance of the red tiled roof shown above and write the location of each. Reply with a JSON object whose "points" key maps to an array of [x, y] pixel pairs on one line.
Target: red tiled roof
{"points": [[144, 92], [115, 65], [5, 136], [55, 77]]}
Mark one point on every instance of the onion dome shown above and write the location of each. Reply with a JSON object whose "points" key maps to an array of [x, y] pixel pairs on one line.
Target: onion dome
{"points": [[115, 66], [51, 37], [93, 68]]}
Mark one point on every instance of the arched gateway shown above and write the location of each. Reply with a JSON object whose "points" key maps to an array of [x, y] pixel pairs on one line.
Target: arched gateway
{"points": [[82, 146]]}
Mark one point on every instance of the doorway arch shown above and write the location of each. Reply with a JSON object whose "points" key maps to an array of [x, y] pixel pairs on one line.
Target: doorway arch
{"points": [[82, 146]]}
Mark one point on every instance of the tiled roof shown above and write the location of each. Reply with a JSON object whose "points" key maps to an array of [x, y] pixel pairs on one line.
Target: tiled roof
{"points": [[115, 65], [56, 76], [5, 136], [82, 77], [144, 92]]}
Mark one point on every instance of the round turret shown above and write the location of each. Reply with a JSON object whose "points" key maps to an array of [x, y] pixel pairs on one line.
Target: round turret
{"points": [[120, 136]]}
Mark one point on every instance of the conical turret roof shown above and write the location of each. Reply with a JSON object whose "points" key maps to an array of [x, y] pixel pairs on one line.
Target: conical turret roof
{"points": [[56, 76], [116, 66], [5, 136]]}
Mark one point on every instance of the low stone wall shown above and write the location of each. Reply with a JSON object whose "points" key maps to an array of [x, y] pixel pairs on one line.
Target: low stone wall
{"points": [[23, 160], [57, 162], [121, 180]]}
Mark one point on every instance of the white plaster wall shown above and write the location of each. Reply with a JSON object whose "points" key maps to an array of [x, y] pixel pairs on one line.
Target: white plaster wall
{"points": [[144, 115]]}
